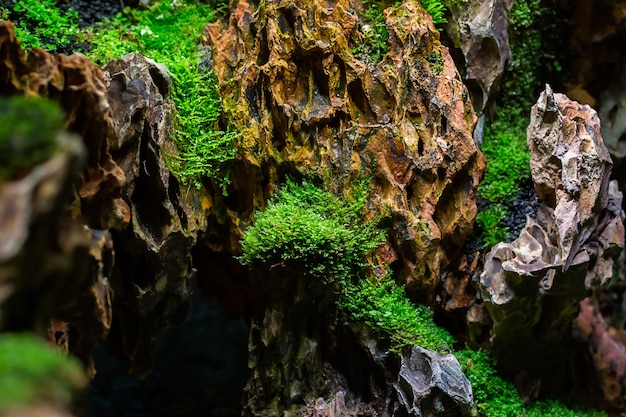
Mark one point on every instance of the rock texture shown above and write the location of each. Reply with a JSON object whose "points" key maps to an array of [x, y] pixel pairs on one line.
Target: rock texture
{"points": [[308, 105], [479, 29], [532, 286], [123, 242], [607, 354], [153, 253]]}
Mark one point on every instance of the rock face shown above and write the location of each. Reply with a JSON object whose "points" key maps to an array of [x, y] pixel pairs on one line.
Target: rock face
{"points": [[533, 285], [605, 385], [479, 29], [308, 105], [125, 240]]}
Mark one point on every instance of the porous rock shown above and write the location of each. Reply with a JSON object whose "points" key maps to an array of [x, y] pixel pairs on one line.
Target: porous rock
{"points": [[533, 285], [309, 105], [479, 29], [153, 253]]}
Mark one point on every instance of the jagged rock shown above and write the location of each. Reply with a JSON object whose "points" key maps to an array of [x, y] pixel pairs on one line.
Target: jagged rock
{"points": [[152, 272], [605, 386], [479, 29], [532, 286], [309, 105], [433, 384], [78, 85]]}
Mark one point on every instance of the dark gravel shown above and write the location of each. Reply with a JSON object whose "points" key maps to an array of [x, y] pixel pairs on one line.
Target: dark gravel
{"points": [[92, 11], [526, 203]]}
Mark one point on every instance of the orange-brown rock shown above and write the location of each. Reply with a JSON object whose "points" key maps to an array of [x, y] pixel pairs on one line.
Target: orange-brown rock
{"points": [[78, 85], [309, 106]]}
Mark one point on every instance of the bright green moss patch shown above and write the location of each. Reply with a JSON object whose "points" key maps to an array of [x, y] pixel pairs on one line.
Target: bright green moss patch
{"points": [[385, 308], [28, 130], [33, 373], [42, 25], [305, 228], [495, 396], [490, 223], [168, 33]]}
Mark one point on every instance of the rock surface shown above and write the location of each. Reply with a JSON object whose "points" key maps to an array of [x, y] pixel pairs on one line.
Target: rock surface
{"points": [[308, 105], [532, 286], [479, 29]]}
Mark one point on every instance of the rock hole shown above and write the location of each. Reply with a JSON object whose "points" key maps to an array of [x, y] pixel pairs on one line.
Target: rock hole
{"points": [[150, 195], [420, 147], [160, 81], [286, 20], [359, 99], [173, 192], [264, 50], [444, 127]]}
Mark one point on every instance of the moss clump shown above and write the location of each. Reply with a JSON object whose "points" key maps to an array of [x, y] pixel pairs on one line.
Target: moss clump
{"points": [[32, 373], [306, 229], [28, 130], [168, 33], [374, 46]]}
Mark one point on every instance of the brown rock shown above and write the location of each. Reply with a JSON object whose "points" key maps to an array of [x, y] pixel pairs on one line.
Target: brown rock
{"points": [[532, 286], [309, 105], [152, 272], [608, 357], [78, 85]]}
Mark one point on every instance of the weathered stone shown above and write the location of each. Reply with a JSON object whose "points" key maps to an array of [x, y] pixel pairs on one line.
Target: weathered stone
{"points": [[532, 286], [307, 104], [78, 85], [152, 273], [433, 384], [479, 29]]}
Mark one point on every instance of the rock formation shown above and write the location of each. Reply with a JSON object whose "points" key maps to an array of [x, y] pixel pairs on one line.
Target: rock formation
{"points": [[532, 286], [309, 105]]}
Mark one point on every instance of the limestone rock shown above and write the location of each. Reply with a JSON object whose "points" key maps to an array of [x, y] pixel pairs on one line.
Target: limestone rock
{"points": [[532, 286], [479, 29], [309, 105]]}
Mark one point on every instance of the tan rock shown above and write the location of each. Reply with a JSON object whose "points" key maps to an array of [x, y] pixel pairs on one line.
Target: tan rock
{"points": [[310, 106]]}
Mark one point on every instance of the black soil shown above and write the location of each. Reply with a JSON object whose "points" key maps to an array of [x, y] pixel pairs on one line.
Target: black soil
{"points": [[92, 11], [525, 204]]}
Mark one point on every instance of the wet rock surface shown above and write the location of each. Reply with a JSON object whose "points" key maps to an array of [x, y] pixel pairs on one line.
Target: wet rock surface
{"points": [[532, 286]]}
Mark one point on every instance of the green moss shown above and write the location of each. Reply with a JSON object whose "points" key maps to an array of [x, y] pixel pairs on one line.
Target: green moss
{"points": [[374, 46], [41, 25], [495, 396], [490, 223], [307, 229], [384, 307], [32, 373], [28, 130], [168, 33]]}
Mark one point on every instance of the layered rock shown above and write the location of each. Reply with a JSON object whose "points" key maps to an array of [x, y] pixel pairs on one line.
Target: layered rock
{"points": [[308, 105], [533, 285]]}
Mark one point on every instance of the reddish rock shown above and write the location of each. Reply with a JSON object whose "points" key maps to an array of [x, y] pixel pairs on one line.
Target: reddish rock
{"points": [[309, 105]]}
